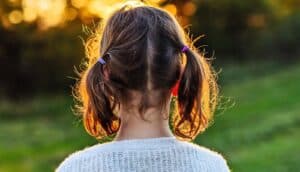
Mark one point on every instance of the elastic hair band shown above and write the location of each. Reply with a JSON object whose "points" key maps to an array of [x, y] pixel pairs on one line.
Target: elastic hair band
{"points": [[184, 48], [101, 61]]}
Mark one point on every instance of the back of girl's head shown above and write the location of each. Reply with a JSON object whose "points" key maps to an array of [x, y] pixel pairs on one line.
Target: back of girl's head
{"points": [[141, 46]]}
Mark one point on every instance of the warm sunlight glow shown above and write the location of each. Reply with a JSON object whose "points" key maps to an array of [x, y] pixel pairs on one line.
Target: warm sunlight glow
{"points": [[15, 17], [96, 7], [171, 8], [29, 14], [79, 3], [51, 13], [70, 14], [158, 1], [189, 8]]}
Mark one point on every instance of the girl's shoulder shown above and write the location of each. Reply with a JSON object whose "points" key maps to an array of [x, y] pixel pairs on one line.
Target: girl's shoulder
{"points": [[75, 159], [212, 159], [205, 151], [207, 155]]}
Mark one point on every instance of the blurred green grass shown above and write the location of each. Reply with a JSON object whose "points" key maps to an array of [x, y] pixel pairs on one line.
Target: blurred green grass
{"points": [[259, 133]]}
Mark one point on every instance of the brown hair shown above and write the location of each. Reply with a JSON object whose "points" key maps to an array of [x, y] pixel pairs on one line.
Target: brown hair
{"points": [[142, 49]]}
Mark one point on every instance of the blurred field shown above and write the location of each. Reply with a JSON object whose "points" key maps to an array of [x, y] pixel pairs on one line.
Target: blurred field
{"points": [[259, 133]]}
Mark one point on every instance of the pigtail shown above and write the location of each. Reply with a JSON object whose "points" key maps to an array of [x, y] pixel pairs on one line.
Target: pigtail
{"points": [[98, 117], [196, 96], [132, 67]]}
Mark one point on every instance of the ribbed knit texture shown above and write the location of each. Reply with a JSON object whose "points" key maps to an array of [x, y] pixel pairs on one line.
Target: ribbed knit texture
{"points": [[160, 154]]}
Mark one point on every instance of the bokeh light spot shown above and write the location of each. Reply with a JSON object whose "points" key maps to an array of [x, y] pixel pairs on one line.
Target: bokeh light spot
{"points": [[189, 8], [171, 8], [78, 3], [15, 17]]}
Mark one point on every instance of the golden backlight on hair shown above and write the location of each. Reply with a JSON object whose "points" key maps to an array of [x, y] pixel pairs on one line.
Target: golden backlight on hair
{"points": [[99, 99]]}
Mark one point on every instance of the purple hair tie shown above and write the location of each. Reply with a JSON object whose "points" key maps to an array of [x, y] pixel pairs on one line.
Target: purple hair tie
{"points": [[184, 48], [101, 61]]}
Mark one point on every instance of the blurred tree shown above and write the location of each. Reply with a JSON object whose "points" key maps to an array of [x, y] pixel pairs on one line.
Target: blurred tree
{"points": [[241, 30], [40, 44], [230, 26]]}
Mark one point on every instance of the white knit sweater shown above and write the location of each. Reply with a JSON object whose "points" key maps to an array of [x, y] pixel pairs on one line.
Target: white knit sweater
{"points": [[160, 154]]}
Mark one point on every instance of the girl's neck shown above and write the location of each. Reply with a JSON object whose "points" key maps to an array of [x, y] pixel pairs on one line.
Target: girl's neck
{"points": [[133, 127]]}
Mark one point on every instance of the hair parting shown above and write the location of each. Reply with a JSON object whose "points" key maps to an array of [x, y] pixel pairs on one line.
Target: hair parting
{"points": [[145, 52]]}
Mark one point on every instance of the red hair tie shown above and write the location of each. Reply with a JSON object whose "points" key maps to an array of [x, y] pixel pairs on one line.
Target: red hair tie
{"points": [[175, 89]]}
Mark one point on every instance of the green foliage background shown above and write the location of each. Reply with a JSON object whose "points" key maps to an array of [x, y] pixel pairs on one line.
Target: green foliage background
{"points": [[260, 132], [255, 44]]}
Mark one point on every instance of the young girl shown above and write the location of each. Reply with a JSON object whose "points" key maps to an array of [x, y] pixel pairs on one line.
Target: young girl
{"points": [[146, 61]]}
